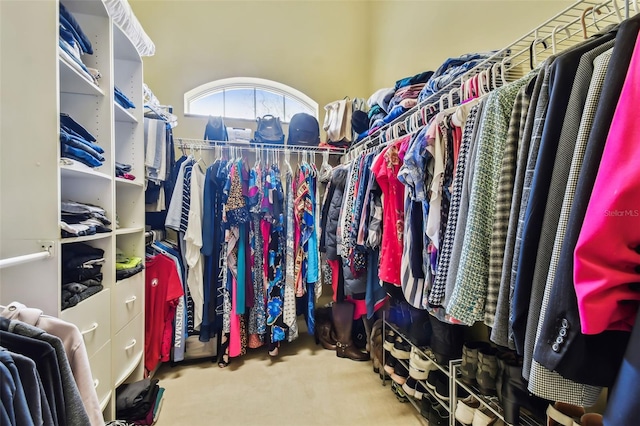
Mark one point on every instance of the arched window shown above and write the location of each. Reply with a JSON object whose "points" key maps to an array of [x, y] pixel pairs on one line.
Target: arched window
{"points": [[248, 98]]}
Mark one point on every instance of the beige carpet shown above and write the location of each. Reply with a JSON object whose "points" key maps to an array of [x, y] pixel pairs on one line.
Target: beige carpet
{"points": [[304, 385]]}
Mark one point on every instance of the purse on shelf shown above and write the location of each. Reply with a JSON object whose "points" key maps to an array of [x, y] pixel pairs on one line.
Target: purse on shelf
{"points": [[269, 131]]}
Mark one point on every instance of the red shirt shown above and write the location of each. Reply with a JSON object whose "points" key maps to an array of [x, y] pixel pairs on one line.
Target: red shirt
{"points": [[386, 167], [162, 293]]}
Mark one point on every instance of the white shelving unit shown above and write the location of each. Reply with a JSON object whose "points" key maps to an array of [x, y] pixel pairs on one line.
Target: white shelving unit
{"points": [[37, 85]]}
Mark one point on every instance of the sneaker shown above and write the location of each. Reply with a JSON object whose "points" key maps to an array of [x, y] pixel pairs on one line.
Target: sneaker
{"points": [[466, 409], [420, 390], [484, 417], [420, 365], [389, 364], [400, 374], [401, 349], [399, 393], [409, 387], [439, 415], [389, 340]]}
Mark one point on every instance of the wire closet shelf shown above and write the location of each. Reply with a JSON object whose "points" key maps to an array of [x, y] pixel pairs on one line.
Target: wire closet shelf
{"points": [[199, 144], [577, 22]]}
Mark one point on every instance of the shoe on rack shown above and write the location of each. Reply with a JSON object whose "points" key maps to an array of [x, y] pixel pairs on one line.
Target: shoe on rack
{"points": [[426, 405], [484, 417], [515, 394], [399, 392], [419, 365], [465, 410], [439, 383], [591, 419], [409, 386], [439, 415], [389, 339], [401, 349], [561, 414], [390, 364], [420, 391], [487, 371], [400, 374], [469, 366]]}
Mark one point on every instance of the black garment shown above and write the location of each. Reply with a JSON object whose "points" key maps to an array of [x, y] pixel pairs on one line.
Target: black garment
{"points": [[70, 298], [33, 389], [588, 359], [338, 181], [122, 274], [133, 400], [563, 72], [46, 362]]}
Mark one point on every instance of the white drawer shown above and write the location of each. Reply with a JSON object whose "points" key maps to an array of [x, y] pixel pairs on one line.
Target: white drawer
{"points": [[128, 300], [128, 345], [91, 316], [101, 373]]}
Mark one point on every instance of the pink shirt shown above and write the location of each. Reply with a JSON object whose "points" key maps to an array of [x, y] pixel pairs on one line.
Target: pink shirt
{"points": [[607, 255], [386, 167]]}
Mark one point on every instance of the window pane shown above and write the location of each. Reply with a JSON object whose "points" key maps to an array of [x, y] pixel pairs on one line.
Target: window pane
{"points": [[208, 105], [293, 106], [239, 104], [269, 103]]}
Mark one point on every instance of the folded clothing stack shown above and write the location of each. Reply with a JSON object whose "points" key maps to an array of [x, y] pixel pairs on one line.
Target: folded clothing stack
{"points": [[78, 144], [122, 99], [127, 266], [81, 273], [122, 171], [79, 219], [138, 402], [74, 43]]}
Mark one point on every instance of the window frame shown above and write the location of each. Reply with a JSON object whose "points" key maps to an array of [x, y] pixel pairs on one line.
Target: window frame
{"points": [[231, 83]]}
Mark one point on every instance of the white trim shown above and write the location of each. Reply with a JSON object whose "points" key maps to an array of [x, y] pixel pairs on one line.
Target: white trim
{"points": [[245, 82]]}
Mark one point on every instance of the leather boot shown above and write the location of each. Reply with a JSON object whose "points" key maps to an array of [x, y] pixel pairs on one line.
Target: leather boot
{"points": [[515, 395], [343, 321], [324, 332]]}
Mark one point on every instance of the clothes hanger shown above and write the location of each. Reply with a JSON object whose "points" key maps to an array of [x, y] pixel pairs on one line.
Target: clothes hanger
{"points": [[582, 21], [553, 36]]}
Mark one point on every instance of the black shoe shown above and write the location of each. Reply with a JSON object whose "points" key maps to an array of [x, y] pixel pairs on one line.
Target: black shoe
{"points": [[400, 374], [390, 364], [439, 415], [401, 349], [399, 393], [389, 340], [409, 387]]}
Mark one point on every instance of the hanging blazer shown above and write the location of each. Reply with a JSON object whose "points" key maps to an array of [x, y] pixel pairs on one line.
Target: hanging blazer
{"points": [[607, 256], [562, 347]]}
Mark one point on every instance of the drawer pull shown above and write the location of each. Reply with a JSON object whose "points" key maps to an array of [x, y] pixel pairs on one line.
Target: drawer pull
{"points": [[96, 382], [130, 345], [130, 300], [91, 329]]}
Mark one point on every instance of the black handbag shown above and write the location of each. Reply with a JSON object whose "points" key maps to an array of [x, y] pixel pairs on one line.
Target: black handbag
{"points": [[269, 131], [215, 130]]}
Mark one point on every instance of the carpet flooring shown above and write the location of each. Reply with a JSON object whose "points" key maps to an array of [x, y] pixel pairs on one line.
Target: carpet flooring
{"points": [[305, 385]]}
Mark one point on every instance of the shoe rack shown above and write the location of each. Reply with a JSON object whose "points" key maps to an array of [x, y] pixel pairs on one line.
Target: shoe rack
{"points": [[490, 402], [453, 372], [417, 404]]}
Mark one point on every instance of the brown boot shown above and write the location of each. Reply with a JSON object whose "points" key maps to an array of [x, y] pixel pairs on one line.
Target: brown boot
{"points": [[324, 332], [343, 321]]}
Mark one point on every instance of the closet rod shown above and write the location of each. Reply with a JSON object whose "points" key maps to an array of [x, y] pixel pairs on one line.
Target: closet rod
{"points": [[206, 144], [46, 252], [507, 57]]}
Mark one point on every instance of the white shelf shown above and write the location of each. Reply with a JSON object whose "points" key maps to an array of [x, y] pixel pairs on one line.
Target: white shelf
{"points": [[123, 48], [122, 182], [98, 236], [122, 114], [72, 81], [81, 171], [124, 231], [105, 401]]}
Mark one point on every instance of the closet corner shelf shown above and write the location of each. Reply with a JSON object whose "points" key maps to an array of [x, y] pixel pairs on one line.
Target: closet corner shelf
{"points": [[132, 230], [80, 171], [86, 238], [122, 182], [72, 81], [105, 401], [129, 370], [122, 115], [123, 47]]}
